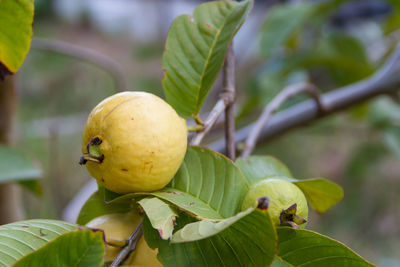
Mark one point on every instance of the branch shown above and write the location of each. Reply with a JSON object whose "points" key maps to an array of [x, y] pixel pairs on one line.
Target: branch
{"points": [[273, 106], [84, 54], [229, 90], [130, 246], [384, 81]]}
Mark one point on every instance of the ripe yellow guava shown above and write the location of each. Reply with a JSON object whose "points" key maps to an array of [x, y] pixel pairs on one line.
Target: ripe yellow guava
{"points": [[117, 228], [133, 141], [287, 203]]}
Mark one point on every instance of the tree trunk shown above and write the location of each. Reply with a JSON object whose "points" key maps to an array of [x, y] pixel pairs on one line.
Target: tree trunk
{"points": [[10, 200]]}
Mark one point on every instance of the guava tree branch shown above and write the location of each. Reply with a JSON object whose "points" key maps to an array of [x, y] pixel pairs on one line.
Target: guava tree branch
{"points": [[84, 54], [385, 81], [274, 105], [229, 92], [130, 246]]}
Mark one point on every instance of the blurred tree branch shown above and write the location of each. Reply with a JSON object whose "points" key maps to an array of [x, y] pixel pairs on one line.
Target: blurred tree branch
{"points": [[384, 81], [10, 202], [84, 54]]}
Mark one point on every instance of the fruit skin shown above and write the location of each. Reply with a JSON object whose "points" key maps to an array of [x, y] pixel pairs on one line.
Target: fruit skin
{"points": [[143, 141], [119, 227], [282, 194]]}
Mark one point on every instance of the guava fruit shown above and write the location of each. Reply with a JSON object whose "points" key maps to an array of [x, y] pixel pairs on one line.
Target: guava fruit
{"points": [[133, 141], [117, 228], [287, 203]]}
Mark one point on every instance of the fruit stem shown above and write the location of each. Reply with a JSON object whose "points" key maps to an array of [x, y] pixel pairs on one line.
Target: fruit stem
{"points": [[195, 128]]}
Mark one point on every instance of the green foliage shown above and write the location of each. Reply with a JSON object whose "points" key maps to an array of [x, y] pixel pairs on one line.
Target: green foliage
{"points": [[195, 51], [161, 215], [96, 206], [321, 194], [15, 17], [79, 248], [27, 242], [14, 166], [250, 241], [307, 248]]}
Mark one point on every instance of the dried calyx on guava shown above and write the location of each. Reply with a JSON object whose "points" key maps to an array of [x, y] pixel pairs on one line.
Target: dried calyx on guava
{"points": [[133, 142], [117, 228], [285, 202]]}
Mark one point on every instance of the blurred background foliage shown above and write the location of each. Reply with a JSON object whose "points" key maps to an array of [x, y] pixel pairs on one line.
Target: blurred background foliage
{"points": [[330, 43]]}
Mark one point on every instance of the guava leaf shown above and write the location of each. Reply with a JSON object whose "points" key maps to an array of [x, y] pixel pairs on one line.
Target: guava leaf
{"points": [[20, 239], [79, 248], [15, 166], [205, 228], [255, 168], [310, 249], [281, 23], [321, 194], [16, 18], [162, 217], [95, 206], [208, 185], [195, 51], [250, 241]]}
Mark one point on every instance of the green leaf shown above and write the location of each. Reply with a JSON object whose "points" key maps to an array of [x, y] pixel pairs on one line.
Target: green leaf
{"points": [[195, 52], [250, 241], [14, 166], [161, 216], [79, 248], [205, 228], [321, 194], [310, 249], [207, 185], [95, 207], [281, 23], [16, 18], [255, 168], [33, 186], [21, 238]]}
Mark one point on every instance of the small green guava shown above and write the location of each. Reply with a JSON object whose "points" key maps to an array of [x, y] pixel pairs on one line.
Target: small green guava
{"points": [[287, 203]]}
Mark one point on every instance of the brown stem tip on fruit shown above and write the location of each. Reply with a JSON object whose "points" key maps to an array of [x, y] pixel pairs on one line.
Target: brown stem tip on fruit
{"points": [[93, 152], [289, 217], [263, 203]]}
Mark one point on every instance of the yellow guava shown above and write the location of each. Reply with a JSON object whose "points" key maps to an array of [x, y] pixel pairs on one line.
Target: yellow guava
{"points": [[117, 228], [287, 203], [133, 141]]}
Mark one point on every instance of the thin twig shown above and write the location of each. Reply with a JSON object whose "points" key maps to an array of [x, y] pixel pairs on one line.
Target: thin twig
{"points": [[384, 81], [273, 106], [85, 54], [130, 246], [209, 122], [229, 90]]}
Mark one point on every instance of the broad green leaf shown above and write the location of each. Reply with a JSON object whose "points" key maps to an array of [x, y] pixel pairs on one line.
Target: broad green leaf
{"points": [[255, 168], [16, 19], [321, 194], [281, 23], [14, 166], [21, 238], [162, 217], [95, 206], [80, 248], [250, 241], [33, 186], [208, 185], [205, 228], [309, 249], [195, 51]]}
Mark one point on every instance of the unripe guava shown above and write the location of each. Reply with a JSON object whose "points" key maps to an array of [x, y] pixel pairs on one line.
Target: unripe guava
{"points": [[117, 228], [283, 195], [133, 141]]}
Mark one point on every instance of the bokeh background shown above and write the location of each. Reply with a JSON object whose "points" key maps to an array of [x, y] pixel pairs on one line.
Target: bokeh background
{"points": [[331, 43]]}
